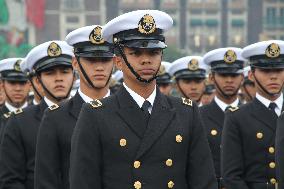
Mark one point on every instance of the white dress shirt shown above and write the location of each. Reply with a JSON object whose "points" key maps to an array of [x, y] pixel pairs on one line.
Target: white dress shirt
{"points": [[139, 99], [12, 108], [88, 99], [223, 105], [266, 102]]}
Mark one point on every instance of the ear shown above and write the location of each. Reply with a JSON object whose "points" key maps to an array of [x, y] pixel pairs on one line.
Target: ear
{"points": [[118, 62], [211, 77], [251, 76], [75, 64]]}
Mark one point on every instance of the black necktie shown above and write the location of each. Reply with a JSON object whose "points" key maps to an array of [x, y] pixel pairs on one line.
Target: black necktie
{"points": [[145, 108], [272, 107]]}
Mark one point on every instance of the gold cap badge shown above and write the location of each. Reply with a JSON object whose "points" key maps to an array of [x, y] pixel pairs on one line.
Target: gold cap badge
{"points": [[96, 36], [147, 24], [193, 64], [17, 65], [230, 56], [273, 50], [54, 50]]}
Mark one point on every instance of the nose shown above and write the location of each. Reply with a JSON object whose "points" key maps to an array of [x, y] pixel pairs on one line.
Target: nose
{"points": [[146, 59]]}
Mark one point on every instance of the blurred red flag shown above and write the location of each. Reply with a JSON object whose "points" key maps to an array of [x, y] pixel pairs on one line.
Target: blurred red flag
{"points": [[35, 12]]}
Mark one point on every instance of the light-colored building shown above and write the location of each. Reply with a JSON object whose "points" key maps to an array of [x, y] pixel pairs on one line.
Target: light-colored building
{"points": [[272, 20]]}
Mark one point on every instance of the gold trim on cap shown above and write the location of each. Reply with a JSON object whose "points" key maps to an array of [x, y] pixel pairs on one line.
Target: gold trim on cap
{"points": [[193, 64], [230, 56], [147, 24], [96, 36], [273, 50], [54, 50]]}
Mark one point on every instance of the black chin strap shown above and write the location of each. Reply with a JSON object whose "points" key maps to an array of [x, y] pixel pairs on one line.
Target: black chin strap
{"points": [[35, 90], [88, 78], [264, 90], [138, 77], [52, 95], [223, 93]]}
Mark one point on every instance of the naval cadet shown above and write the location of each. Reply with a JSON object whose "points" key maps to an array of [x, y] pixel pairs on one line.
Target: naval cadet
{"points": [[15, 86], [94, 62], [227, 75], [190, 73], [164, 79], [248, 140], [138, 137], [51, 63]]}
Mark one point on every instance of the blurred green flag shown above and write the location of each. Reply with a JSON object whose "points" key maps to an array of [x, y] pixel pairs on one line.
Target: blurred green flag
{"points": [[4, 14]]}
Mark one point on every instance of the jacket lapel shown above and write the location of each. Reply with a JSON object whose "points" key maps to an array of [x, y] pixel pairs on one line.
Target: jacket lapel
{"points": [[161, 117], [263, 114], [130, 112], [216, 114], [75, 105]]}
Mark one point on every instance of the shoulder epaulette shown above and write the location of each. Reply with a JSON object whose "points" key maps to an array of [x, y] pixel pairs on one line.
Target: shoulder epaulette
{"points": [[53, 107], [96, 103], [18, 111], [232, 109], [186, 101], [7, 115]]}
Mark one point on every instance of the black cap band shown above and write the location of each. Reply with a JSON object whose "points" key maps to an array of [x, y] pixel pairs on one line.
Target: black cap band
{"points": [[48, 62], [262, 61], [189, 74], [12, 75], [88, 49]]}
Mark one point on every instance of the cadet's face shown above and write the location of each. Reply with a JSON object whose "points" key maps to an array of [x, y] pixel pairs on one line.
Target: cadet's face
{"points": [[145, 62], [58, 81], [165, 88], [207, 98], [228, 83], [192, 88], [271, 79], [2, 93], [97, 69], [17, 91], [249, 92]]}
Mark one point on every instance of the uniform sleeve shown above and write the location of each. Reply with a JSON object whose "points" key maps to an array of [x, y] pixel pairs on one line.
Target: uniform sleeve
{"points": [[201, 174], [232, 164], [47, 160], [280, 151], [12, 157], [85, 158]]}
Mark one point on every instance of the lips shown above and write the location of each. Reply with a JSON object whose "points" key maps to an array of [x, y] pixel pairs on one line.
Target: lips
{"points": [[229, 88], [147, 71], [18, 96], [59, 87], [99, 76], [273, 85]]}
